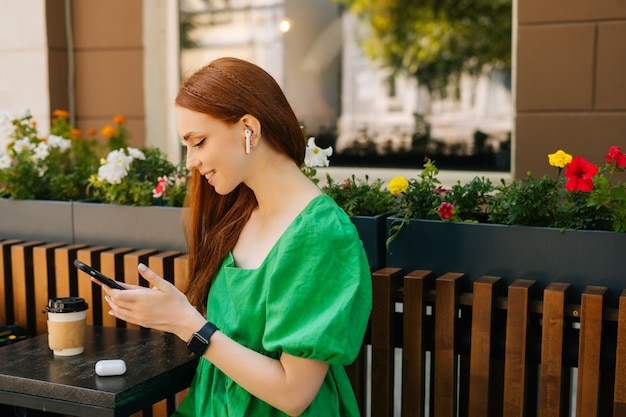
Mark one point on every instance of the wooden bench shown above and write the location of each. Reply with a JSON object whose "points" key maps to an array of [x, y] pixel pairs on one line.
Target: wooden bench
{"points": [[498, 350]]}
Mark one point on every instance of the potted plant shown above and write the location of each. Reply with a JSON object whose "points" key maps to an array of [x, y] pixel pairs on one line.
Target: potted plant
{"points": [[46, 181], [567, 227]]}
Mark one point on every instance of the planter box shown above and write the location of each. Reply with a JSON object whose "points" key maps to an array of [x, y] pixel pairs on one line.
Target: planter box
{"points": [[372, 231], [546, 255], [48, 221], [93, 224], [151, 227]]}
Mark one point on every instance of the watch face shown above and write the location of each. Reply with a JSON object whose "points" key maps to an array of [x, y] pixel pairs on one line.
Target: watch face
{"points": [[200, 339]]}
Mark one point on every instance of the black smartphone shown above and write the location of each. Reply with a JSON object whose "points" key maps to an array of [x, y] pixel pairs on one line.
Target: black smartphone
{"points": [[97, 275]]}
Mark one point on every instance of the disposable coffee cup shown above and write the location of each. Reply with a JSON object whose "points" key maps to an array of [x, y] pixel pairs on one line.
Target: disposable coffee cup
{"points": [[66, 325]]}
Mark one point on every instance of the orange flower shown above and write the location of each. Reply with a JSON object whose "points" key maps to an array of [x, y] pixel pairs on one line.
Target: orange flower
{"points": [[119, 119], [92, 132], [75, 134], [108, 131], [61, 113], [33, 123]]}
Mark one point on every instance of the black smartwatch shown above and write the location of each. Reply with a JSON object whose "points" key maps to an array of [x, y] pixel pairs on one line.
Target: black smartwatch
{"points": [[199, 342]]}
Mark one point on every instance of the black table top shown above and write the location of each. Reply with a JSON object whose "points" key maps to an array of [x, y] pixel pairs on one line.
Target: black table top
{"points": [[158, 365]]}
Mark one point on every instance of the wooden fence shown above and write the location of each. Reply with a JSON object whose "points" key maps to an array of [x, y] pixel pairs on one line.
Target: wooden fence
{"points": [[500, 349]]}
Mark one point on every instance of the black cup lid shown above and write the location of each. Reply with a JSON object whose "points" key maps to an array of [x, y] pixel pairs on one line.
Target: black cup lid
{"points": [[66, 305]]}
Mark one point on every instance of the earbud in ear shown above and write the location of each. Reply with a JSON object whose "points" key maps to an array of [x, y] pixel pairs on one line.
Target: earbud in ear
{"points": [[248, 135]]}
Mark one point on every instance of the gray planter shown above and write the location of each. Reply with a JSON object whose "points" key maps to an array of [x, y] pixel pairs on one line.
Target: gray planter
{"points": [[546, 255], [371, 230], [47, 221], [151, 227]]}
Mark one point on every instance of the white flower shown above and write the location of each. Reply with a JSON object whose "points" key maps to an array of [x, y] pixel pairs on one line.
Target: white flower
{"points": [[5, 160], [116, 166], [6, 126], [59, 142], [136, 153], [41, 152], [23, 144], [316, 156]]}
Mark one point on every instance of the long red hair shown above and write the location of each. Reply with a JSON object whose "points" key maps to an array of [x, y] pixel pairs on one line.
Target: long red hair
{"points": [[227, 89]]}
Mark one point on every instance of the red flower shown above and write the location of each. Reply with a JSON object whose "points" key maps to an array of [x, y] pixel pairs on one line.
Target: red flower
{"points": [[445, 211], [616, 154], [579, 175]]}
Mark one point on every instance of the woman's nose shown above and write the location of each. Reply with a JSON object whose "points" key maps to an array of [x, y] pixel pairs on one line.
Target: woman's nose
{"points": [[191, 163]]}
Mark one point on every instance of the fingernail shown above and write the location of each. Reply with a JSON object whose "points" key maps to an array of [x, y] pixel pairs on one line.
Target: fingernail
{"points": [[142, 267], [107, 298], [111, 313]]}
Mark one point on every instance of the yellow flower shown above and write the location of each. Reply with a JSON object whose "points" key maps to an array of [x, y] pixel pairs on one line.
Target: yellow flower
{"points": [[108, 131], [559, 159], [398, 185], [119, 119]]}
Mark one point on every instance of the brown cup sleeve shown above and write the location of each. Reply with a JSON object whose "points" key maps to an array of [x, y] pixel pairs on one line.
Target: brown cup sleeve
{"points": [[66, 335]]}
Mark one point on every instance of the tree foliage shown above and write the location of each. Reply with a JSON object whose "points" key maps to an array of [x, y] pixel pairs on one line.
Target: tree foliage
{"points": [[436, 40]]}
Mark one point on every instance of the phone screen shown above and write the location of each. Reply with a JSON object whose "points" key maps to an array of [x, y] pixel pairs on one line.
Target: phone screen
{"points": [[97, 275]]}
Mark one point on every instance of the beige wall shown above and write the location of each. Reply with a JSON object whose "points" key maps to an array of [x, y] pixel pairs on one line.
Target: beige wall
{"points": [[570, 81]]}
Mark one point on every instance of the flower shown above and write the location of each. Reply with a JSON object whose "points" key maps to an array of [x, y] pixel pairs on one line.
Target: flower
{"points": [[445, 210], [128, 176], [160, 187], [579, 173], [616, 155], [398, 185], [559, 159], [316, 156], [52, 167]]}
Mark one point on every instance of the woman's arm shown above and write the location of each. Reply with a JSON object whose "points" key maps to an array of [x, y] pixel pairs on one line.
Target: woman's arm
{"points": [[289, 384]]}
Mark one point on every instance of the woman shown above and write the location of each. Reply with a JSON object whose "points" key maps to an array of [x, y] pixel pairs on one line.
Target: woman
{"points": [[290, 288]]}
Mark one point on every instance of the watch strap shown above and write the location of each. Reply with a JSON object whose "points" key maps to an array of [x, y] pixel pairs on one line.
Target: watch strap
{"points": [[200, 340]]}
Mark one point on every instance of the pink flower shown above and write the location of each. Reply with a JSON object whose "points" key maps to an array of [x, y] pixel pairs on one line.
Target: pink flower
{"points": [[579, 175], [616, 154], [445, 210]]}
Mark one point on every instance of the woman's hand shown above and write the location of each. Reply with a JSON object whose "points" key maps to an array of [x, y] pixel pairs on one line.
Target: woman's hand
{"points": [[161, 307]]}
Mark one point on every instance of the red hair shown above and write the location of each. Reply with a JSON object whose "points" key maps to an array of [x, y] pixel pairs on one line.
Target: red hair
{"points": [[227, 89]]}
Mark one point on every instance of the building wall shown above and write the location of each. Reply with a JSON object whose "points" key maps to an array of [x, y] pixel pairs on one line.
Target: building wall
{"points": [[570, 82], [24, 56]]}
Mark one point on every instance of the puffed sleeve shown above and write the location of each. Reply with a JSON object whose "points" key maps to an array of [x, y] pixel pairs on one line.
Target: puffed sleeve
{"points": [[319, 297]]}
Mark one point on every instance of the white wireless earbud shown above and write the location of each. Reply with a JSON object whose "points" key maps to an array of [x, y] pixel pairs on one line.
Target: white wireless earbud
{"points": [[248, 134]]}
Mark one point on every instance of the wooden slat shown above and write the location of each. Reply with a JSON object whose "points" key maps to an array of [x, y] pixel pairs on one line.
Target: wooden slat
{"points": [[7, 313], [112, 265], [480, 346], [385, 283], [416, 287], [181, 272], [515, 350], [445, 355], [45, 282], [619, 396], [592, 302], [65, 271], [86, 288], [23, 285], [551, 388], [131, 274], [163, 265]]}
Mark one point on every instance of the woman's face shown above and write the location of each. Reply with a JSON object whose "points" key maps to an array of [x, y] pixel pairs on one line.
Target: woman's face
{"points": [[215, 148]]}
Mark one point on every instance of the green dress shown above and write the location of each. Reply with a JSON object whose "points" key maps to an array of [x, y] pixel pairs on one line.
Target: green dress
{"points": [[310, 298]]}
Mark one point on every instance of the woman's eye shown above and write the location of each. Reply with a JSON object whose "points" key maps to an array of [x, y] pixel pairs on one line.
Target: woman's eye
{"points": [[197, 145]]}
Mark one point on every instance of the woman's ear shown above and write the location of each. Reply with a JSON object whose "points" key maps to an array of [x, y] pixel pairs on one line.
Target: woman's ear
{"points": [[252, 124]]}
